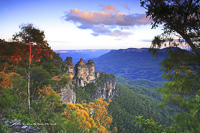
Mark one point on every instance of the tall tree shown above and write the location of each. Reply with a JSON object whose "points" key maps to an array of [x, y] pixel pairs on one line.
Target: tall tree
{"points": [[37, 47], [181, 27]]}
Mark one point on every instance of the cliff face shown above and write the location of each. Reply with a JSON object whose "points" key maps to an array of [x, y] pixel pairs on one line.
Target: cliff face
{"points": [[107, 87], [70, 67], [68, 95], [83, 74]]}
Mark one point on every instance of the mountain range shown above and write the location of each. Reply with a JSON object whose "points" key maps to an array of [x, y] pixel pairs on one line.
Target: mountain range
{"points": [[85, 54]]}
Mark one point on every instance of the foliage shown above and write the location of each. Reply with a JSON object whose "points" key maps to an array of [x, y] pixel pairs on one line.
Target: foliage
{"points": [[139, 82], [45, 73], [92, 116], [181, 67], [129, 104], [179, 18], [152, 127]]}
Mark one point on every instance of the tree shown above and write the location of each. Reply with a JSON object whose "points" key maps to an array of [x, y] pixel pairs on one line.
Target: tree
{"points": [[38, 47], [179, 18], [182, 67]]}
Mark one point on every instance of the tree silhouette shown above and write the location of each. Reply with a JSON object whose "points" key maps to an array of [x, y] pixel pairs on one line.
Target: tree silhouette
{"points": [[179, 18]]}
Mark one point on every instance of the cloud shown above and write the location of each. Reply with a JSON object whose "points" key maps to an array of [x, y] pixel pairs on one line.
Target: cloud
{"points": [[104, 30], [109, 8], [125, 6], [102, 23]]}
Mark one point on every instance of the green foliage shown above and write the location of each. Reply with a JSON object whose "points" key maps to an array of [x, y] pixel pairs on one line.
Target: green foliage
{"points": [[139, 82], [81, 95], [91, 89], [129, 104], [189, 120], [179, 18], [7, 100], [45, 76], [152, 127], [4, 128]]}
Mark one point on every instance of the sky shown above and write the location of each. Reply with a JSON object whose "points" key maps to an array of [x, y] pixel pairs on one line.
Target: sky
{"points": [[80, 24]]}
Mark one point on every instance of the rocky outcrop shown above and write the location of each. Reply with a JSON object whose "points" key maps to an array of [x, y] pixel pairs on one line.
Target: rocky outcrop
{"points": [[107, 88], [70, 68], [18, 127], [82, 75], [83, 72]]}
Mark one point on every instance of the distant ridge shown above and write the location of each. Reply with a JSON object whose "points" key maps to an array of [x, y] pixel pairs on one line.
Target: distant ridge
{"points": [[131, 64], [85, 54]]}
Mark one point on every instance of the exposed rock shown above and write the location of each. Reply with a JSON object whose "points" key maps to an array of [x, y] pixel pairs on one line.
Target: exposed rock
{"points": [[70, 68], [68, 95], [108, 88], [17, 127], [83, 74]]}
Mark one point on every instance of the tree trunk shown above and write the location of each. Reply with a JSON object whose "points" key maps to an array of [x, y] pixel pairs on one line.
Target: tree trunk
{"points": [[29, 100], [29, 78], [191, 44]]}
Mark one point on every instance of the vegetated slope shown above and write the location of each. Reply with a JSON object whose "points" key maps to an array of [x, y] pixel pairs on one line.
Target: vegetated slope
{"points": [[131, 64], [129, 104], [139, 82]]}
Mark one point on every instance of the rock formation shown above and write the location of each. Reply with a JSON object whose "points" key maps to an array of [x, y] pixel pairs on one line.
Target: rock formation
{"points": [[108, 87], [83, 74], [70, 67]]}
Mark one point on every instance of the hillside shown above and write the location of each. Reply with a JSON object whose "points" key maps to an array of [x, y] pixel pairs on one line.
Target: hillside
{"points": [[131, 64], [134, 101]]}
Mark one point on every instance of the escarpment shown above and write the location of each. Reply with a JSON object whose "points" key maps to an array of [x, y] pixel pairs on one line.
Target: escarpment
{"points": [[95, 84]]}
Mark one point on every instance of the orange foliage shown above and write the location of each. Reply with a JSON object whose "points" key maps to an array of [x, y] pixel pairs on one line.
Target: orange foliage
{"points": [[6, 82], [6, 79], [47, 91], [21, 52], [91, 115]]}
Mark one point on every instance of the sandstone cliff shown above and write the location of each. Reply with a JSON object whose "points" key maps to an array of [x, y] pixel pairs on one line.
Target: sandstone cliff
{"points": [[94, 84]]}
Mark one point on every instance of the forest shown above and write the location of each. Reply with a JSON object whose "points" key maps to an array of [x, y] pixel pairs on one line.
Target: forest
{"points": [[31, 79], [148, 100]]}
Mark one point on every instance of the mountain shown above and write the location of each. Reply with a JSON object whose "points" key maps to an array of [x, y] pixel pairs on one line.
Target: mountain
{"points": [[131, 64], [85, 54]]}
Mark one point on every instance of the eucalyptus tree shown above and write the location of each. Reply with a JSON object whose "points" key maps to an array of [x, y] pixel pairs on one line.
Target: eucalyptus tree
{"points": [[180, 20], [34, 48]]}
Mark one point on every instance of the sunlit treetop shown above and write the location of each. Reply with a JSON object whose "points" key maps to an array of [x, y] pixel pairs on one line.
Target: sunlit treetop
{"points": [[30, 34]]}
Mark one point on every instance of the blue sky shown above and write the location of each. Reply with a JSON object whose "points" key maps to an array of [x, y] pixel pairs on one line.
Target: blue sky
{"points": [[80, 24]]}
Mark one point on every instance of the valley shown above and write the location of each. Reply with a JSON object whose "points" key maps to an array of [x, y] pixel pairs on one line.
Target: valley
{"points": [[137, 73]]}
